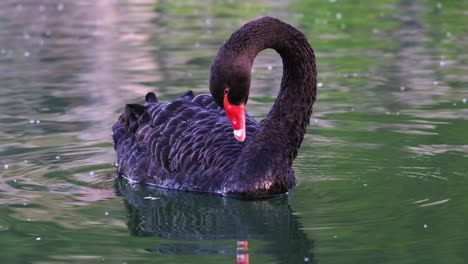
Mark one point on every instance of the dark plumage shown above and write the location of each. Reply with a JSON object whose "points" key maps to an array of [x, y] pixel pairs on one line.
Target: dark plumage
{"points": [[188, 144]]}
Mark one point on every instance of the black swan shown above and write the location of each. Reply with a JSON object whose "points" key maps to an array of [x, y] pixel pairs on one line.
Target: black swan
{"points": [[188, 144]]}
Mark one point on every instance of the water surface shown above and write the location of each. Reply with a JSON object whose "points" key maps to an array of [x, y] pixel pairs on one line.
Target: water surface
{"points": [[382, 173]]}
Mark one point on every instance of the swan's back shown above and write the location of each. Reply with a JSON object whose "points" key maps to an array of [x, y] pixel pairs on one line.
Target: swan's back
{"points": [[186, 144]]}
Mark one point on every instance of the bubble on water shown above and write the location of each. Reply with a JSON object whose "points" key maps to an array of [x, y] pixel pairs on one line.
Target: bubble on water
{"points": [[24, 204], [31, 121], [319, 84], [454, 104], [38, 238], [441, 63], [439, 5], [425, 226], [106, 213], [57, 157], [91, 173], [402, 88], [6, 166], [435, 83], [270, 67], [38, 121], [338, 16], [14, 180], [464, 100], [29, 219], [306, 259], [365, 185], [60, 7], [27, 54]]}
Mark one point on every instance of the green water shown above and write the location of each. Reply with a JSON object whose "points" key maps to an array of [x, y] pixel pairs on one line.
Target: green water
{"points": [[382, 173]]}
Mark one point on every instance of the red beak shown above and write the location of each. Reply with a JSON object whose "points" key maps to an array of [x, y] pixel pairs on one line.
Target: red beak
{"points": [[236, 115]]}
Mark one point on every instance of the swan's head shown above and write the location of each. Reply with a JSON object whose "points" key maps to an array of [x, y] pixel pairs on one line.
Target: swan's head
{"points": [[230, 86]]}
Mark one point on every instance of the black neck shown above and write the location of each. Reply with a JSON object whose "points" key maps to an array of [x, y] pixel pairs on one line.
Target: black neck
{"points": [[286, 123], [269, 153]]}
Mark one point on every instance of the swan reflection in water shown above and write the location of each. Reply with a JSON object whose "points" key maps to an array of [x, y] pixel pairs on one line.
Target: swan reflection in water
{"points": [[190, 218]]}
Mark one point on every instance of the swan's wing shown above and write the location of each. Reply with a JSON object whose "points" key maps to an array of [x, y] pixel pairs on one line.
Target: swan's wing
{"points": [[186, 144]]}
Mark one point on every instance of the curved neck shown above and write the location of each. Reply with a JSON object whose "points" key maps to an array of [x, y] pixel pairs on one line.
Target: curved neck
{"points": [[264, 166], [286, 123]]}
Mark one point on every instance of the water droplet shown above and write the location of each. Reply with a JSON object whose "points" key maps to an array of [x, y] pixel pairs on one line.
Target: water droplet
{"points": [[106, 213], [57, 157], [425, 226], [6, 166], [38, 238], [38, 121], [464, 100], [27, 54], [402, 88], [338, 16], [335, 236], [315, 120], [31, 121], [60, 7], [435, 83], [306, 259], [319, 84], [441, 63], [270, 67], [365, 185], [91, 173], [454, 104], [29, 219]]}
